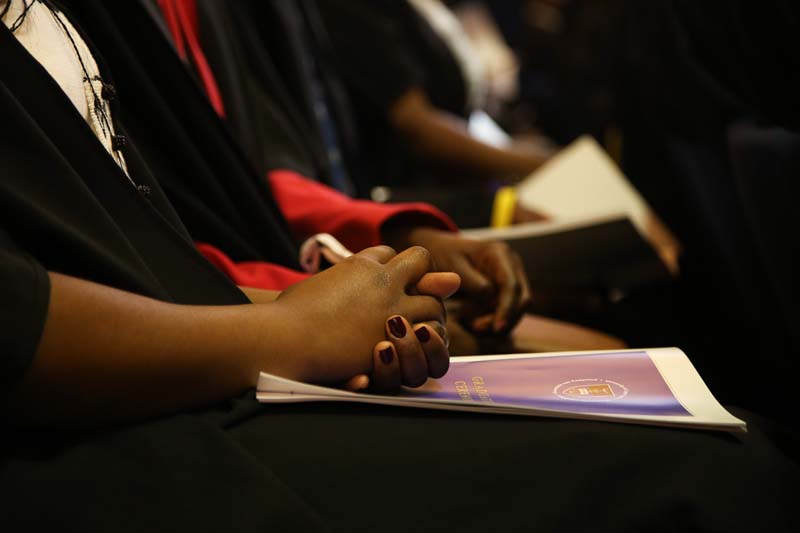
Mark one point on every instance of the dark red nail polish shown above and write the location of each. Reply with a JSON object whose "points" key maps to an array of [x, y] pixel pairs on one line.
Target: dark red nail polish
{"points": [[396, 327], [423, 334], [386, 356]]}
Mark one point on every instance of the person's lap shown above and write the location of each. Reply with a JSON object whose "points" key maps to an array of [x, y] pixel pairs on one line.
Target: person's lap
{"points": [[387, 469], [359, 468]]}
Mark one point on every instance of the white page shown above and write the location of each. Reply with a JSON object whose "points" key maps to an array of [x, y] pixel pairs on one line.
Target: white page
{"points": [[536, 229], [583, 182], [579, 187]]}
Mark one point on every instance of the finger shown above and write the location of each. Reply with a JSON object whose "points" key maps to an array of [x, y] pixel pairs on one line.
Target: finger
{"points": [[411, 264], [413, 364], [421, 308], [441, 330], [356, 383], [483, 323], [526, 295], [381, 254], [439, 284], [386, 374], [473, 282], [433, 339], [508, 290], [522, 302]]}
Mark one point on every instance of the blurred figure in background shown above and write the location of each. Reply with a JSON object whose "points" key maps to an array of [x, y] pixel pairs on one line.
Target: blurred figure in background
{"points": [[415, 80]]}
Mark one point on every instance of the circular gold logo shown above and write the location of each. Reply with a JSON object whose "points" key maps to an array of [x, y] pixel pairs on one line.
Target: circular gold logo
{"points": [[591, 390]]}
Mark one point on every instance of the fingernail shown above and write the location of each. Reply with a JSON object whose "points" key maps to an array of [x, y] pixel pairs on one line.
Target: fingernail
{"points": [[396, 327], [386, 356], [423, 334]]}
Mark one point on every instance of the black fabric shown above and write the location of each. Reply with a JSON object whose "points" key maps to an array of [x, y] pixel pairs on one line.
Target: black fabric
{"points": [[273, 39], [190, 151], [766, 164], [91, 222], [241, 467], [751, 50], [384, 48], [350, 468], [181, 473], [370, 49], [25, 293], [682, 96], [259, 109], [395, 470]]}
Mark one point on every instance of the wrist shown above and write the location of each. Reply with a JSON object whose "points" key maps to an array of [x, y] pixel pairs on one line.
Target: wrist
{"points": [[261, 339], [286, 342], [240, 331]]}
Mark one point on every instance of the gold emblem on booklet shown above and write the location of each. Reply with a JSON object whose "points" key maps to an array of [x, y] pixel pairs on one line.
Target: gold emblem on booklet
{"points": [[591, 390], [604, 391]]}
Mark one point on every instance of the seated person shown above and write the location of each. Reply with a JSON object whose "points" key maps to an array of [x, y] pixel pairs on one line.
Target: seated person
{"points": [[110, 316], [426, 81], [414, 90], [120, 256]]}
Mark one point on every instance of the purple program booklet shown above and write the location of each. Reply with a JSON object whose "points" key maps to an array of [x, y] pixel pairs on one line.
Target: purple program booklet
{"points": [[654, 386]]}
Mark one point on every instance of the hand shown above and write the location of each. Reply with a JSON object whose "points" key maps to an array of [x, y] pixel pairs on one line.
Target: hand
{"points": [[408, 359], [336, 318], [492, 276]]}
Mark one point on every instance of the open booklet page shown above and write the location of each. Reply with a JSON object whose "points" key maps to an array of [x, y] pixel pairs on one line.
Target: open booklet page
{"points": [[653, 386], [608, 239], [583, 182]]}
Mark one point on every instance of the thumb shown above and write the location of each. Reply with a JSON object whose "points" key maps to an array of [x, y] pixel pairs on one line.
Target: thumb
{"points": [[439, 284], [356, 383]]}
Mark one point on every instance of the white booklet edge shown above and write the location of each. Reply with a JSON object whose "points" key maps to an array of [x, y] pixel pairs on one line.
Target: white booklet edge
{"points": [[550, 227], [678, 373]]}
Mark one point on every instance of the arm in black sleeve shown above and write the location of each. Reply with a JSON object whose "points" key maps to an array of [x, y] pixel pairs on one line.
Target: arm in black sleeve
{"points": [[24, 297]]}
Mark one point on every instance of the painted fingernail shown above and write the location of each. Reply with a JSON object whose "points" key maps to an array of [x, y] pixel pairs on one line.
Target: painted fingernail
{"points": [[396, 327], [423, 334], [386, 356]]}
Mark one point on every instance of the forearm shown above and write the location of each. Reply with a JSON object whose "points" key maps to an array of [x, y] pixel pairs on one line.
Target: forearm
{"points": [[440, 137], [437, 135], [107, 355]]}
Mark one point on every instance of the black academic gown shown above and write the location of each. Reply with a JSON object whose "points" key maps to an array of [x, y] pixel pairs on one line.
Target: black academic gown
{"points": [[277, 41], [67, 207], [267, 118], [258, 63], [189, 150], [238, 467]]}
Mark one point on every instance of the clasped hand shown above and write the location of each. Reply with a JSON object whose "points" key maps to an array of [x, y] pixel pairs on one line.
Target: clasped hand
{"points": [[366, 305], [494, 285]]}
